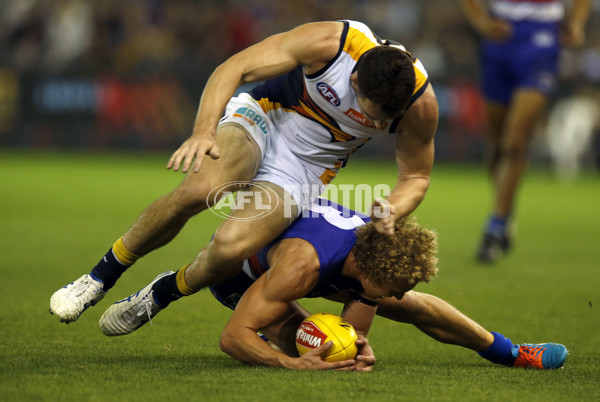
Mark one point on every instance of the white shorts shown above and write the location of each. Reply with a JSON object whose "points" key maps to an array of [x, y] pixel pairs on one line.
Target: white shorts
{"points": [[278, 164]]}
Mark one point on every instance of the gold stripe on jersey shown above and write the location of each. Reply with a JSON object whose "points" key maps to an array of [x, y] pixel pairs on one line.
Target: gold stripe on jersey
{"points": [[357, 43], [338, 134], [308, 108], [313, 113], [420, 78], [329, 174], [266, 105]]}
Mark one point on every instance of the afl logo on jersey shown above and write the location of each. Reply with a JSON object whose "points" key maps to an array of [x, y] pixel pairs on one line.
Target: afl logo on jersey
{"points": [[328, 93]]}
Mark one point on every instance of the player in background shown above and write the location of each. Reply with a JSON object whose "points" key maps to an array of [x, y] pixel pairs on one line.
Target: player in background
{"points": [[519, 67], [329, 87], [334, 252]]}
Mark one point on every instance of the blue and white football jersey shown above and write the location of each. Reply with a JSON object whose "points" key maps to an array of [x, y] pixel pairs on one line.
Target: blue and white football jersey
{"points": [[330, 229]]}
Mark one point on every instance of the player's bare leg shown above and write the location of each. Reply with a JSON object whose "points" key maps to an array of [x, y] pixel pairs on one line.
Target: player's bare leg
{"points": [[511, 146], [242, 235], [495, 118], [437, 319], [263, 217], [446, 324], [522, 119], [490, 247], [162, 220]]}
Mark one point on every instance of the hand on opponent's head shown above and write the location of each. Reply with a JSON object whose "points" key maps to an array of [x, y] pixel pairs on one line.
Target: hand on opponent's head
{"points": [[383, 216]]}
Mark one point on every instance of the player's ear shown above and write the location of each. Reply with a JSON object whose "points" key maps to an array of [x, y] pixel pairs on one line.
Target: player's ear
{"points": [[354, 81]]}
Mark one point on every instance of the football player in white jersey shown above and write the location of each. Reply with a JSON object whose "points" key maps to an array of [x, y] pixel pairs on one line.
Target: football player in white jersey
{"points": [[328, 87]]}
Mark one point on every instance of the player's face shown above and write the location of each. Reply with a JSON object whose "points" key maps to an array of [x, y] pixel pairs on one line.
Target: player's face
{"points": [[373, 112], [375, 291], [369, 109]]}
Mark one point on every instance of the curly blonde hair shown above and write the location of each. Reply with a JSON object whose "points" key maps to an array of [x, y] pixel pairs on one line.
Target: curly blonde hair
{"points": [[408, 255]]}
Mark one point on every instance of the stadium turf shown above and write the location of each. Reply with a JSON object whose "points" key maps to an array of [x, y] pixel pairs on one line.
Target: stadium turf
{"points": [[60, 212]]}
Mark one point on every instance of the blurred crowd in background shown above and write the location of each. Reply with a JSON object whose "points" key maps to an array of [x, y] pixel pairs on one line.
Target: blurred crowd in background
{"points": [[128, 74]]}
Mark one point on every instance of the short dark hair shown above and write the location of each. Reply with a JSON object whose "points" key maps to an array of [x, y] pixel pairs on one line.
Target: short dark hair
{"points": [[386, 76]]}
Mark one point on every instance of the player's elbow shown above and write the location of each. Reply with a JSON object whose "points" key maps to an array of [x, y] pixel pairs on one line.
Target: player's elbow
{"points": [[426, 181], [422, 181], [418, 182], [233, 344], [227, 342]]}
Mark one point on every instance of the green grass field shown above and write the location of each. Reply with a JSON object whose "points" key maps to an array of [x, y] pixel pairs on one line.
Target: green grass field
{"points": [[59, 213]]}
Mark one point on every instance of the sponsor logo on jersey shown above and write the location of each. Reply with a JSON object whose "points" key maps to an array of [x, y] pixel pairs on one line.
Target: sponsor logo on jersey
{"points": [[252, 117], [309, 335], [360, 119], [328, 93]]}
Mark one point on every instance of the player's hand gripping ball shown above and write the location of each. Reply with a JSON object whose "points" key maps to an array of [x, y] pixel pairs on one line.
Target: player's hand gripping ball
{"points": [[324, 327]]}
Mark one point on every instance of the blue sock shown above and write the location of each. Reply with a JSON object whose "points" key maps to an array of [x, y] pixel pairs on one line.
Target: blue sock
{"points": [[497, 226], [502, 351]]}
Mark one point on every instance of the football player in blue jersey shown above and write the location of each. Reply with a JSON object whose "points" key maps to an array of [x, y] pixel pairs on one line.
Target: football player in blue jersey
{"points": [[519, 68], [336, 253], [327, 88]]}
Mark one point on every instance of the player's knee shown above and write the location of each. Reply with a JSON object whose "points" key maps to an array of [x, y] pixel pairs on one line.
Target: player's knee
{"points": [[229, 247], [187, 200], [191, 199], [225, 342], [515, 151]]}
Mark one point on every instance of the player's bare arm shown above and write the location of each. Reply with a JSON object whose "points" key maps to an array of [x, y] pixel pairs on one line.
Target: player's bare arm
{"points": [[492, 28], [573, 30], [311, 45], [414, 157], [361, 316], [360, 308], [294, 272]]}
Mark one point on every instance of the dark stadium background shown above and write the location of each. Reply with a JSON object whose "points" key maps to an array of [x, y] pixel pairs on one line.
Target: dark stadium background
{"points": [[127, 75]]}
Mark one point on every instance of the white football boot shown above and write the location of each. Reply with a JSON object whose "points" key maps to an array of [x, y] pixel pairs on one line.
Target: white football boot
{"points": [[127, 315], [70, 301]]}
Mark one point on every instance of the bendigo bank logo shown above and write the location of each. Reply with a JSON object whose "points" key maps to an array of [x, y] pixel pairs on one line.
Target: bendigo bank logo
{"points": [[252, 117], [328, 93], [361, 119], [309, 336], [358, 117]]}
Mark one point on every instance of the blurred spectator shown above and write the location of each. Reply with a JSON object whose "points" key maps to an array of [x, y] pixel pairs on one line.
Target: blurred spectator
{"points": [[71, 50], [570, 132], [68, 33]]}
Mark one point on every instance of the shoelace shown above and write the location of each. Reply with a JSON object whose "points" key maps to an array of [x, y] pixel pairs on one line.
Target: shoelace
{"points": [[143, 306], [535, 351], [532, 354], [148, 305]]}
